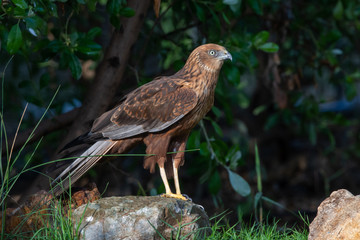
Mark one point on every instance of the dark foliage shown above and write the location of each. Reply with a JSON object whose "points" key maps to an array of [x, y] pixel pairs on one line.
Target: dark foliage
{"points": [[292, 89]]}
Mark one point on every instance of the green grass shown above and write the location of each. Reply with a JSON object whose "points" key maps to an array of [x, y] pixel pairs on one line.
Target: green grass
{"points": [[241, 231], [256, 232], [61, 227], [52, 224]]}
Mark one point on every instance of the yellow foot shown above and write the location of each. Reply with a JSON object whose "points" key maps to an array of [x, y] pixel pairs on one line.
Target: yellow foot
{"points": [[173, 195]]}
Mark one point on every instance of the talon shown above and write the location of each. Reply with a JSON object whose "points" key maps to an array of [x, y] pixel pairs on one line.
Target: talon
{"points": [[177, 196]]}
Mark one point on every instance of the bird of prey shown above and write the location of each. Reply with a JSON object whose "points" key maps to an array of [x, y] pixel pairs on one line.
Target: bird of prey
{"points": [[161, 114]]}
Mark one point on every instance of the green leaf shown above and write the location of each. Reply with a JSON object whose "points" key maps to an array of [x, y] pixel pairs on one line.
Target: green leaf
{"points": [[92, 33], [355, 75], [75, 65], [53, 9], [338, 10], [88, 47], [230, 2], [269, 47], [238, 183], [259, 109], [127, 12], [36, 23], [216, 111], [200, 13], [226, 18], [74, 36], [20, 13], [272, 121], [91, 4], [21, 4], [15, 39], [113, 6], [256, 6], [233, 156], [55, 46], [217, 128], [204, 150], [194, 139], [261, 38], [233, 4], [350, 88]]}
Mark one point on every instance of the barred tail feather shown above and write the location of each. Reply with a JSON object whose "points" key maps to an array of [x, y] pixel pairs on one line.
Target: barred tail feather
{"points": [[80, 166]]}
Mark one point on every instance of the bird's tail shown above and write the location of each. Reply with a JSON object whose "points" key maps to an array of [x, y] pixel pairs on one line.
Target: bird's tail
{"points": [[80, 166]]}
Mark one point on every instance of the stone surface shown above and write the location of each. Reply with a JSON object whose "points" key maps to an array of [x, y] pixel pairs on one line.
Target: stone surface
{"points": [[134, 217], [338, 218]]}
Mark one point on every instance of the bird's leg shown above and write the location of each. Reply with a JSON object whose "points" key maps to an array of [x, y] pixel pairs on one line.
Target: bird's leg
{"points": [[165, 181], [168, 193], [176, 179]]}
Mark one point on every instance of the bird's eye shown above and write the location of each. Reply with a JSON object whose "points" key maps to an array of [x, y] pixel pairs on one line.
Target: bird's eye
{"points": [[212, 52]]}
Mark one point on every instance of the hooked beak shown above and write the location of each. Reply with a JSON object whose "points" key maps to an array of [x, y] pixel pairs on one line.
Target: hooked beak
{"points": [[225, 55]]}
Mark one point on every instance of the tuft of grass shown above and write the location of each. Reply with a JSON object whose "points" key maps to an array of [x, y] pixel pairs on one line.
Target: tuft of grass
{"points": [[61, 227], [257, 231], [223, 231]]}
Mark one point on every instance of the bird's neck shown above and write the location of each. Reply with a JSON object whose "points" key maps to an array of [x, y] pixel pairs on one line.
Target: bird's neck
{"points": [[203, 82], [195, 70]]}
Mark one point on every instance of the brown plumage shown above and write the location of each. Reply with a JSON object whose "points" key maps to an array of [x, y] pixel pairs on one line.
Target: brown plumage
{"points": [[160, 114]]}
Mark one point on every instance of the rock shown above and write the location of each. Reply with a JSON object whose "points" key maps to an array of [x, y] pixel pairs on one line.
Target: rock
{"points": [[134, 217], [338, 217], [34, 212]]}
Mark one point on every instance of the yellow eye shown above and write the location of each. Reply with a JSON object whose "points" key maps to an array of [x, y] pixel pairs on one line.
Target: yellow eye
{"points": [[212, 52]]}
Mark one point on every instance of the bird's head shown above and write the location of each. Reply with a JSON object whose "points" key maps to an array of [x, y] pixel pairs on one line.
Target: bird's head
{"points": [[210, 57]]}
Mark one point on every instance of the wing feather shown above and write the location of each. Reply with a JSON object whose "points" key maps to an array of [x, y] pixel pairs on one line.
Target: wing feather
{"points": [[151, 108]]}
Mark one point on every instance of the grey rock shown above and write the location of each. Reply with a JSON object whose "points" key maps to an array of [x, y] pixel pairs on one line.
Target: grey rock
{"points": [[338, 217], [134, 217]]}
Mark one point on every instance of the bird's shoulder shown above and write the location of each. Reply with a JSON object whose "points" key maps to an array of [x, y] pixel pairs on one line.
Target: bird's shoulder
{"points": [[162, 91], [152, 107]]}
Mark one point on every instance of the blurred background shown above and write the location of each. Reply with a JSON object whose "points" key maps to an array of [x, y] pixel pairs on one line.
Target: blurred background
{"points": [[291, 91]]}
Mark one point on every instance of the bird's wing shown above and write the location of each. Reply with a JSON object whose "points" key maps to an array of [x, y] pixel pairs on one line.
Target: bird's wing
{"points": [[150, 108]]}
